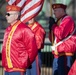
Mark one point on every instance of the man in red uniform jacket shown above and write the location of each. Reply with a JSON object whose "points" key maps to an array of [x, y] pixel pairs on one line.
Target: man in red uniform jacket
{"points": [[64, 41], [19, 45], [40, 37]]}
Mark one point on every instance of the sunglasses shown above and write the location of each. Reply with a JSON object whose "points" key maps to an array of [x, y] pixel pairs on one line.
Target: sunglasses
{"points": [[8, 14]]}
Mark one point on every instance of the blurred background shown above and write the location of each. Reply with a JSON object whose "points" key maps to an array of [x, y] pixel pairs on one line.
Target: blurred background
{"points": [[43, 19]]}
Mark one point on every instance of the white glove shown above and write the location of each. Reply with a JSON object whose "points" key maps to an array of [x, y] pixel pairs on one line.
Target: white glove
{"points": [[53, 48]]}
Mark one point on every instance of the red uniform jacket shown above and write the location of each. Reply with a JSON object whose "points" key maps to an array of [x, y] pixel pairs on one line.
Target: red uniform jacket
{"points": [[73, 69], [19, 48], [39, 34], [64, 28]]}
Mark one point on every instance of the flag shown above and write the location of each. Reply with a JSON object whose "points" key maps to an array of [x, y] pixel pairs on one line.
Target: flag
{"points": [[29, 8]]}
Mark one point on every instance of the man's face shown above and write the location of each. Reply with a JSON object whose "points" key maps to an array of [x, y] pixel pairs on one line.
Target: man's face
{"points": [[31, 21], [58, 12], [11, 16]]}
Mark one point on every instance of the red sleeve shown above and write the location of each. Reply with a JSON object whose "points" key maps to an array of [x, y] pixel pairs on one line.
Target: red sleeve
{"points": [[68, 46], [31, 47], [64, 29], [40, 37]]}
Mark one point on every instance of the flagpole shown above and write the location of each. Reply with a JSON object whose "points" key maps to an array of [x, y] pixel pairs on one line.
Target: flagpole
{"points": [[51, 16], [50, 7]]}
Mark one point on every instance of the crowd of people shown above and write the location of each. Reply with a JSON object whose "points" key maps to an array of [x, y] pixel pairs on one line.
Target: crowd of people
{"points": [[22, 43]]}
